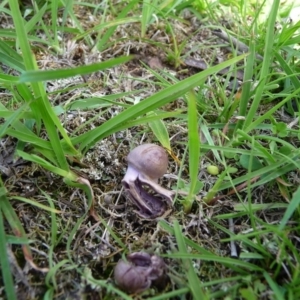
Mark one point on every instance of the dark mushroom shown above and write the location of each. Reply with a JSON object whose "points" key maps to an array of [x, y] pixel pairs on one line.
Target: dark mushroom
{"points": [[139, 271], [130, 278]]}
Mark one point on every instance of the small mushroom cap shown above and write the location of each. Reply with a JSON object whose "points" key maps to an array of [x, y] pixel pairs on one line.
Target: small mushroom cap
{"points": [[149, 159], [139, 271], [130, 278]]}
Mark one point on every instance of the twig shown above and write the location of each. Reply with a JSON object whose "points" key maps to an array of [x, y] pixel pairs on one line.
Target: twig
{"points": [[16, 270], [293, 123], [201, 64], [233, 251], [228, 38]]}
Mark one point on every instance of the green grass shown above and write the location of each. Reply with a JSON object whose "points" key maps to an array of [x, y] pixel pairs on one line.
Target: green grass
{"points": [[71, 113]]}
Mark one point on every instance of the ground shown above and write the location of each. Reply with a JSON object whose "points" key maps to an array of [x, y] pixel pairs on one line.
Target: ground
{"points": [[81, 251]]}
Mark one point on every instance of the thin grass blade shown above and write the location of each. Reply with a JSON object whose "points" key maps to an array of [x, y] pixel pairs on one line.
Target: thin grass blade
{"points": [[194, 282], [38, 76], [4, 260]]}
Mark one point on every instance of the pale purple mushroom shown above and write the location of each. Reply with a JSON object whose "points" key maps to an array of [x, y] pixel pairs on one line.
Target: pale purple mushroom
{"points": [[139, 271], [146, 164]]}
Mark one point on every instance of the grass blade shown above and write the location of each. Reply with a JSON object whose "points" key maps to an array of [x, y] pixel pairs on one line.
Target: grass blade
{"points": [[4, 260], [38, 76], [160, 131], [194, 149], [194, 282], [293, 205], [274, 286], [265, 65]]}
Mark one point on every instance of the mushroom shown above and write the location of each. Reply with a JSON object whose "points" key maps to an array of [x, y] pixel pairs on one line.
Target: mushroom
{"points": [[147, 163], [130, 278], [139, 271]]}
